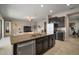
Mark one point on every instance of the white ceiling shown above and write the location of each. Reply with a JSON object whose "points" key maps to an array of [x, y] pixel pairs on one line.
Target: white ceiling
{"points": [[74, 17], [20, 11]]}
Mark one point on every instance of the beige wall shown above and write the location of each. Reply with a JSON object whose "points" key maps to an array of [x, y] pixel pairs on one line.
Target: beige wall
{"points": [[41, 23], [16, 24]]}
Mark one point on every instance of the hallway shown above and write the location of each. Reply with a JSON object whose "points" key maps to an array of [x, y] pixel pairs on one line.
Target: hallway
{"points": [[67, 47]]}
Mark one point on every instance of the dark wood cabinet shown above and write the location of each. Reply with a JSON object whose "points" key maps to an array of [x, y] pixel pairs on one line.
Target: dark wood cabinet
{"points": [[44, 43], [53, 42], [50, 41], [59, 21], [39, 46]]}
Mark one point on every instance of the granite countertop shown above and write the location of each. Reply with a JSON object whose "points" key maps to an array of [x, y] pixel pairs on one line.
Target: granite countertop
{"points": [[26, 37]]}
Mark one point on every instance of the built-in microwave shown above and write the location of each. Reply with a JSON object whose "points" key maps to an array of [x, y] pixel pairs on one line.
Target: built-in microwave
{"points": [[27, 29]]}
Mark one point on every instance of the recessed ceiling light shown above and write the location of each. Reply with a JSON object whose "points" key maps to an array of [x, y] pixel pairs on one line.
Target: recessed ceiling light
{"points": [[42, 5], [68, 4], [50, 11]]}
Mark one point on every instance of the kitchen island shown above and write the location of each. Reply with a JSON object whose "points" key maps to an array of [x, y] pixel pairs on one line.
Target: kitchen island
{"points": [[32, 44]]}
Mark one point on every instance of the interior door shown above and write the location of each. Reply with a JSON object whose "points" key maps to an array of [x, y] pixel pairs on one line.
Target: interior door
{"points": [[0, 29]]}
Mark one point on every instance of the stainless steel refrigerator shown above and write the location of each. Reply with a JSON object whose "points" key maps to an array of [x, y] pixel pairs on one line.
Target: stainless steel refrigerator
{"points": [[0, 29], [50, 28]]}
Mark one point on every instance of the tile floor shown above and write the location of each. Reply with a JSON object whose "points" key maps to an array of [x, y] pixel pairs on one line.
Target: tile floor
{"points": [[5, 46], [67, 47]]}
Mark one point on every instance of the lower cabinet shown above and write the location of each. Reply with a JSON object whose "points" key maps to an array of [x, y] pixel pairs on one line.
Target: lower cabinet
{"points": [[35, 47], [44, 43], [39, 46], [53, 42], [50, 42]]}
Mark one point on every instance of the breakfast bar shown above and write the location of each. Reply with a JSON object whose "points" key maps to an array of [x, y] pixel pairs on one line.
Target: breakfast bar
{"points": [[32, 44]]}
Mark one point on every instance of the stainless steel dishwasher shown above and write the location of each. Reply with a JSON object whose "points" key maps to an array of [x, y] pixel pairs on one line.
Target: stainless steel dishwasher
{"points": [[26, 48]]}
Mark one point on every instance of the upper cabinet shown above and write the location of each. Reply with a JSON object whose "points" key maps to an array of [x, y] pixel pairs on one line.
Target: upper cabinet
{"points": [[58, 21]]}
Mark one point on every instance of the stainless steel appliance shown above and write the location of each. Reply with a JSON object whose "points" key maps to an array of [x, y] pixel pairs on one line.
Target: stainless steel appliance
{"points": [[50, 28]]}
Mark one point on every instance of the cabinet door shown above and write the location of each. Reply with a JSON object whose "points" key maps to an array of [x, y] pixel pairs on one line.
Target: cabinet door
{"points": [[39, 46], [50, 42], [53, 41], [45, 44]]}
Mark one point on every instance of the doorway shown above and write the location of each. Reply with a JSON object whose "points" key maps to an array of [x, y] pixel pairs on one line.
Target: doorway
{"points": [[73, 30]]}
